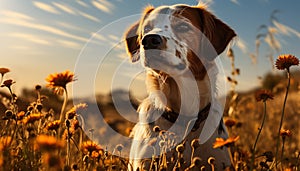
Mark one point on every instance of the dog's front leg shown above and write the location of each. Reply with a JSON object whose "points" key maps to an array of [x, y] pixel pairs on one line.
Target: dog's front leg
{"points": [[156, 95], [142, 133]]}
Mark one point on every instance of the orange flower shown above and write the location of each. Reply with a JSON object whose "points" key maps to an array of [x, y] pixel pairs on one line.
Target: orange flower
{"points": [[220, 142], [48, 143], [263, 95], [90, 146], [8, 83], [4, 71], [230, 122], [286, 61], [53, 125], [74, 110], [32, 118], [58, 81], [285, 133], [5, 142]]}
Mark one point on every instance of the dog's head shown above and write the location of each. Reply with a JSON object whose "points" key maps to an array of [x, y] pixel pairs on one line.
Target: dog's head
{"points": [[179, 38]]}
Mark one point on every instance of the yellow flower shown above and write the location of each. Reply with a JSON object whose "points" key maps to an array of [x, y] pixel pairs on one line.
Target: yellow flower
{"points": [[230, 122], [74, 110], [58, 81], [4, 71], [263, 95], [90, 146], [52, 161], [53, 125], [285, 133], [286, 61], [5, 142], [8, 83], [220, 142], [48, 143], [32, 118]]}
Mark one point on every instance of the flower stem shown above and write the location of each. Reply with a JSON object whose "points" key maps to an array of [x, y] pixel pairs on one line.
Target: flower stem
{"points": [[62, 113], [68, 147], [258, 134], [282, 115], [282, 149]]}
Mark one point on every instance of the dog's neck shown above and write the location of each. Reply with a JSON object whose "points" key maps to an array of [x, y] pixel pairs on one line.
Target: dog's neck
{"points": [[186, 94]]}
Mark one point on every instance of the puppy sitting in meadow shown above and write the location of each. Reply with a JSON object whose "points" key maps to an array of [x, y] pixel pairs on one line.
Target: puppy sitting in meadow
{"points": [[178, 46]]}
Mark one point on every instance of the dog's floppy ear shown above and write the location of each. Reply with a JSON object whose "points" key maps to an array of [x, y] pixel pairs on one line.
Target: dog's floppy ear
{"points": [[219, 33], [132, 36], [131, 42]]}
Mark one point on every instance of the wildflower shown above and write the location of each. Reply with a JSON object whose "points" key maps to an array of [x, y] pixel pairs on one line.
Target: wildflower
{"points": [[197, 161], [52, 161], [38, 87], [285, 133], [286, 61], [53, 125], [220, 142], [230, 122], [20, 115], [32, 118], [95, 154], [156, 129], [58, 81], [152, 142], [90, 146], [263, 95], [195, 143], [74, 110], [48, 143], [75, 124], [180, 148], [68, 133], [5, 142], [211, 160], [4, 71], [119, 147], [8, 83]]}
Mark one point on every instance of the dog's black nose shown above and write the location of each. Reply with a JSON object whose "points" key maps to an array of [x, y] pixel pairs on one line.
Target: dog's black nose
{"points": [[152, 41]]}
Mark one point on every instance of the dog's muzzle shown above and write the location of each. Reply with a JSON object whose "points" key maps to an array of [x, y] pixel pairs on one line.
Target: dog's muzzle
{"points": [[152, 41]]}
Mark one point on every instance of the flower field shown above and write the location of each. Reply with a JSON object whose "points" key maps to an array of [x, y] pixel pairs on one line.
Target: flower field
{"points": [[42, 129]]}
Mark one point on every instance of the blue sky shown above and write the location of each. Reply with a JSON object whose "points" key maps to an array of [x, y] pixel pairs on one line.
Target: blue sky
{"points": [[43, 37]]}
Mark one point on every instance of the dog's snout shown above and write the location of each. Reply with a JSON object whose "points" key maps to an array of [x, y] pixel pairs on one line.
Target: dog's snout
{"points": [[152, 41]]}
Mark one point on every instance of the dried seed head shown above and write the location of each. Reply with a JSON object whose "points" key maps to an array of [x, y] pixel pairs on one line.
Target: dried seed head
{"points": [[180, 148], [195, 143]]}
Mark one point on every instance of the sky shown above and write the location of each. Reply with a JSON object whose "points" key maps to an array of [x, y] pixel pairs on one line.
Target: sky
{"points": [[43, 37]]}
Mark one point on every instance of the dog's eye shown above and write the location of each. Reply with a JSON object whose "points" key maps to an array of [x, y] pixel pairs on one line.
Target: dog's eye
{"points": [[147, 28], [182, 27]]}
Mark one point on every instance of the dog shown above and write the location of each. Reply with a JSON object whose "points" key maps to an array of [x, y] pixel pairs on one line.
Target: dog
{"points": [[178, 46]]}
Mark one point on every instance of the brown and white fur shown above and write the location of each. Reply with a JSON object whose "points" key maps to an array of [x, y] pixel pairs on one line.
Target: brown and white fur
{"points": [[178, 46]]}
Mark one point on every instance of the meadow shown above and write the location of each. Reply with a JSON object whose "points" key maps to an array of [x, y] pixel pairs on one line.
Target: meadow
{"points": [[42, 129]]}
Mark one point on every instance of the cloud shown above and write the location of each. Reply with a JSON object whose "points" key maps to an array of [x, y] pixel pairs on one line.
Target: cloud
{"points": [[113, 37], [31, 38], [82, 3], [41, 27], [69, 44], [98, 36], [64, 8], [69, 26], [16, 15], [88, 16], [45, 7], [235, 2], [103, 5]]}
